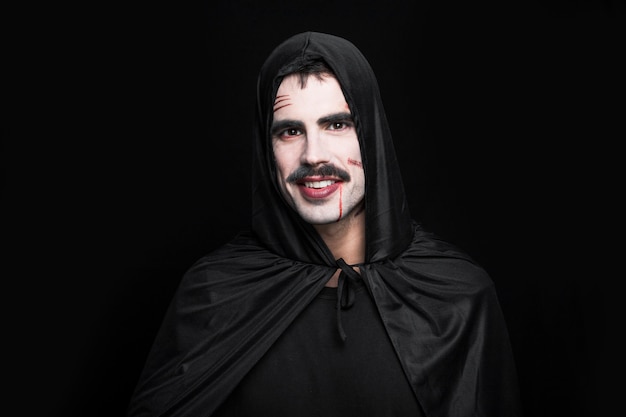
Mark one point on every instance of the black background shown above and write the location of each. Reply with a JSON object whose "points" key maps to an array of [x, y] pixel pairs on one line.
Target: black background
{"points": [[127, 155]]}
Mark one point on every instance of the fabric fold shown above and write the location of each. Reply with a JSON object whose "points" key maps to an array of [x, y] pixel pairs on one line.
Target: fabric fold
{"points": [[348, 277]]}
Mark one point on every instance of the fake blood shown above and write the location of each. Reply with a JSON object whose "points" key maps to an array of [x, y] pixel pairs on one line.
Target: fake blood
{"points": [[340, 201]]}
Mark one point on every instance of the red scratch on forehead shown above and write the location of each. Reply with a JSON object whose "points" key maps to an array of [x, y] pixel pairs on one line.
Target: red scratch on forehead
{"points": [[279, 100]]}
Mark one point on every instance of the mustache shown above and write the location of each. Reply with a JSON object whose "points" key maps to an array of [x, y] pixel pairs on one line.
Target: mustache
{"points": [[328, 170]]}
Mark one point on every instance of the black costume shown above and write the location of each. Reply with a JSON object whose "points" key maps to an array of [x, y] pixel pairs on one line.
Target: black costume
{"points": [[439, 309], [311, 371]]}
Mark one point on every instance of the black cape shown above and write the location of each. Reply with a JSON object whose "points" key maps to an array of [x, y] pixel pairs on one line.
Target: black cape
{"points": [[438, 306]]}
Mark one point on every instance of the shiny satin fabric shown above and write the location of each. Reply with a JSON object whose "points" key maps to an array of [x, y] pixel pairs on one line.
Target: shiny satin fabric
{"points": [[439, 308]]}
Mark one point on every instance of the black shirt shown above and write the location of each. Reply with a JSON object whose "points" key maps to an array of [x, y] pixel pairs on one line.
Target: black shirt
{"points": [[310, 371]]}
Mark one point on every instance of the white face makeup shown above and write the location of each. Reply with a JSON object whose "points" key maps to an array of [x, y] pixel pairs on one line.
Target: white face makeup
{"points": [[316, 149]]}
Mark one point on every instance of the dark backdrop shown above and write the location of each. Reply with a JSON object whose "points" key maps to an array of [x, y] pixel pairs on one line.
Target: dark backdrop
{"points": [[128, 158]]}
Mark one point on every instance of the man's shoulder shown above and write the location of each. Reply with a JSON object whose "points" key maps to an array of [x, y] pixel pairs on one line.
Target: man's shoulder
{"points": [[433, 257]]}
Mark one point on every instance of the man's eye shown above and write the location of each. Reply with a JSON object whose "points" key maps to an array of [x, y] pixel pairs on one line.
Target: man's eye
{"points": [[338, 125], [291, 132]]}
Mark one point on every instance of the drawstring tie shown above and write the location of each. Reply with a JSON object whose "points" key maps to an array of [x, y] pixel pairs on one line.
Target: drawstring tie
{"points": [[345, 292]]}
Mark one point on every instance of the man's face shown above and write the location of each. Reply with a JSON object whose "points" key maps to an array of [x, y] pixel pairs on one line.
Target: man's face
{"points": [[316, 150]]}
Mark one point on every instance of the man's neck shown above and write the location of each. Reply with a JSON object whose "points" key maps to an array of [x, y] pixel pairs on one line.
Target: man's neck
{"points": [[346, 238]]}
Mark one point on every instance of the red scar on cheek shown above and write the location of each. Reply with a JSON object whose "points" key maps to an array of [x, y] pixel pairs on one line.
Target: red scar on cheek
{"points": [[355, 163]]}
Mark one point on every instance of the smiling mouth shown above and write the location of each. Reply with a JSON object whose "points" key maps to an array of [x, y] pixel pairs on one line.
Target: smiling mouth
{"points": [[318, 184], [319, 190]]}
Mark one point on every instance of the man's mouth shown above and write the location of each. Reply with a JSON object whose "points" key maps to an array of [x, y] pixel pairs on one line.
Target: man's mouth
{"points": [[318, 184], [317, 190]]}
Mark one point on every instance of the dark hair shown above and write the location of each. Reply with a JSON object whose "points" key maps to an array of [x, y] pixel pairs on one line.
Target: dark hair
{"points": [[303, 69]]}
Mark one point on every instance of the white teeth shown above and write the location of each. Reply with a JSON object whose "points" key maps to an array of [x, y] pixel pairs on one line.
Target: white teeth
{"points": [[319, 184]]}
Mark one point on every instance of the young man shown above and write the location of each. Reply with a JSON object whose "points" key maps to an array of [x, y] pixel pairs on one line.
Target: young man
{"points": [[336, 302], [318, 161]]}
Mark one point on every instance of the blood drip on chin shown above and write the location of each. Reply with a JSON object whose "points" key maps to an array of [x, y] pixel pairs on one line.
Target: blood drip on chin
{"points": [[340, 201]]}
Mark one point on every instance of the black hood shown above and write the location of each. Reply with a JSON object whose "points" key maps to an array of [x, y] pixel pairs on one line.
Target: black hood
{"points": [[277, 225]]}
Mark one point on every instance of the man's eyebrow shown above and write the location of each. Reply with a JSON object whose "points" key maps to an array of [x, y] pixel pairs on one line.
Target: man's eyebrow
{"points": [[336, 117], [278, 126]]}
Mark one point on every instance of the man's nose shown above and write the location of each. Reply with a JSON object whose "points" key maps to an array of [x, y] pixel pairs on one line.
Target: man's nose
{"points": [[315, 149]]}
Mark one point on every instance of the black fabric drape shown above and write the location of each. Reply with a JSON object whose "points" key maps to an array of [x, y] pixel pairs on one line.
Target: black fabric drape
{"points": [[439, 308]]}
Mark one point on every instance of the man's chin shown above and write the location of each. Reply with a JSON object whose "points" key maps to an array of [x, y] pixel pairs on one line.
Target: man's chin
{"points": [[320, 220]]}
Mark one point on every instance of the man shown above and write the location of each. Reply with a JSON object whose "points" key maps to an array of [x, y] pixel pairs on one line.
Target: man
{"points": [[336, 302]]}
